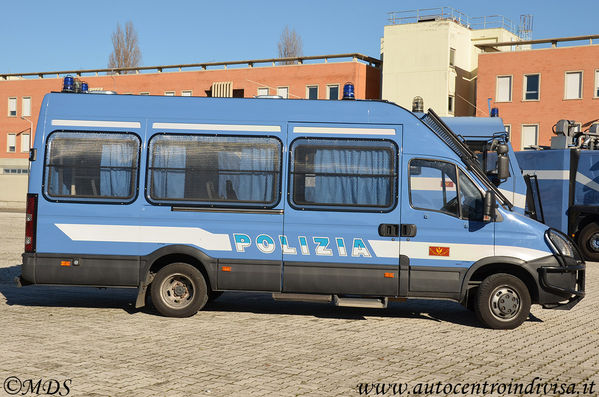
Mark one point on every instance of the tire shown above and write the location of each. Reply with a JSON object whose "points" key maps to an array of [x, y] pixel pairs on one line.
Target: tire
{"points": [[502, 302], [179, 290], [588, 242]]}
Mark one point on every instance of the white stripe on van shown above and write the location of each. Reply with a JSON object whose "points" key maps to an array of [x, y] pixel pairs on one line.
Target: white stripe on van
{"points": [[147, 234], [96, 123], [457, 252], [345, 131], [217, 127]]}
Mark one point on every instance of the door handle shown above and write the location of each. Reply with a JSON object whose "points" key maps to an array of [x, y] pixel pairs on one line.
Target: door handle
{"points": [[408, 230], [388, 230]]}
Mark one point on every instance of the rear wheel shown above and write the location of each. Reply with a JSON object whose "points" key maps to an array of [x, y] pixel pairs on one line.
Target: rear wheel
{"points": [[502, 302], [588, 241], [179, 290]]}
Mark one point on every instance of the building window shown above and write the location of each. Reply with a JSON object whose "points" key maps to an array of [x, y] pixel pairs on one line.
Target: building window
{"points": [[12, 143], [450, 104], [596, 84], [532, 83], [144, 93], [504, 89], [530, 136], [26, 108], [262, 91], [333, 91], [573, 85], [220, 170], [169, 93], [312, 92], [343, 174], [452, 57], [186, 93], [283, 92], [92, 165], [12, 107], [508, 129], [24, 143]]}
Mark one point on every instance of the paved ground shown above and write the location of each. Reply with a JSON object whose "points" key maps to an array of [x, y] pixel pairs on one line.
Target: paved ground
{"points": [[246, 345]]}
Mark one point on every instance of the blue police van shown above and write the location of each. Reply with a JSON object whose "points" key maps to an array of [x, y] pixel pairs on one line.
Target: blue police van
{"points": [[349, 202]]}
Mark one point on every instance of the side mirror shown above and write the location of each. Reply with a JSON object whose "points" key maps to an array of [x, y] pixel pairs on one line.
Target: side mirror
{"points": [[415, 170], [489, 207], [503, 166]]}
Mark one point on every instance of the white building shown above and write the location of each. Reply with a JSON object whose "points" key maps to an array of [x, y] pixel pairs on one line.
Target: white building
{"points": [[431, 53]]}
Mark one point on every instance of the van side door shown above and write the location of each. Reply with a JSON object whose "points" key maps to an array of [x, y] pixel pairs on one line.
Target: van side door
{"points": [[342, 217]]}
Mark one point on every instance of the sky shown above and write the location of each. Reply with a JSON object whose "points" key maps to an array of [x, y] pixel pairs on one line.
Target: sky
{"points": [[43, 35]]}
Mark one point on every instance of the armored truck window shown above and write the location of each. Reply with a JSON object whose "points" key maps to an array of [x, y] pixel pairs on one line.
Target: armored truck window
{"points": [[89, 165], [343, 174], [214, 170]]}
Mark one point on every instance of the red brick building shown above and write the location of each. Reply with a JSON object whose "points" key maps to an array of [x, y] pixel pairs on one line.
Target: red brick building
{"points": [[534, 89]]}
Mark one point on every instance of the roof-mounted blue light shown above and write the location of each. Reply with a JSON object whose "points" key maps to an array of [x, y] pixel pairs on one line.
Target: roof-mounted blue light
{"points": [[348, 91], [84, 87], [68, 84]]}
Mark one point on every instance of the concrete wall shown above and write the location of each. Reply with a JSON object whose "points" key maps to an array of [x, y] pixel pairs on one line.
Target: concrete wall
{"points": [[13, 186]]}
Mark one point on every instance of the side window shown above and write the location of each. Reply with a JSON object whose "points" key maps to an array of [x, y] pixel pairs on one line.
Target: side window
{"points": [[214, 170], [433, 186], [89, 165], [440, 186], [471, 199], [343, 174]]}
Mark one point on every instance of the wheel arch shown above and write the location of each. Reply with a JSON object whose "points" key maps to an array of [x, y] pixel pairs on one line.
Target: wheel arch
{"points": [[494, 265], [153, 262]]}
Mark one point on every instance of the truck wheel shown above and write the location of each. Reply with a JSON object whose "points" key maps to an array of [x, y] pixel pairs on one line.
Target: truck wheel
{"points": [[503, 301], [588, 242], [179, 290]]}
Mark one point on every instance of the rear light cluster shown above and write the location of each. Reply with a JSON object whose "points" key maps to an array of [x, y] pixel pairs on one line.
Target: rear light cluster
{"points": [[30, 222]]}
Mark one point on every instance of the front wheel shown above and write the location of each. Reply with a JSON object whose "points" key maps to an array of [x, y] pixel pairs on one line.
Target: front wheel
{"points": [[179, 290], [502, 302], [588, 241]]}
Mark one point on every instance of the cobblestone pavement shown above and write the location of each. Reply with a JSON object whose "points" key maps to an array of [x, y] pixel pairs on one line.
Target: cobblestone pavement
{"points": [[247, 345]]}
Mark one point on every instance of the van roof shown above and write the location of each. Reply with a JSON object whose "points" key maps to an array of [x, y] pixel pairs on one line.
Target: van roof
{"points": [[241, 109]]}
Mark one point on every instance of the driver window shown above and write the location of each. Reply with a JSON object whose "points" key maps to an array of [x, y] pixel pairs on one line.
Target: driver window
{"points": [[471, 199], [433, 186]]}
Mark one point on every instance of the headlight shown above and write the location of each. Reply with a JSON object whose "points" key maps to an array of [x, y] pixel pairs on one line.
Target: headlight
{"points": [[561, 244]]}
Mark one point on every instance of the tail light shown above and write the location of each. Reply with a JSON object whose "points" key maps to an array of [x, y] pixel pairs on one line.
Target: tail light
{"points": [[30, 222]]}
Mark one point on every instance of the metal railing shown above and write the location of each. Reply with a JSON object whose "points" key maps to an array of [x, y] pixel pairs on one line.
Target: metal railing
{"points": [[451, 14], [356, 57], [428, 14]]}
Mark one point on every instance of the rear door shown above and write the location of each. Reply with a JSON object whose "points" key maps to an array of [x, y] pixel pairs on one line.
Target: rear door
{"points": [[341, 222]]}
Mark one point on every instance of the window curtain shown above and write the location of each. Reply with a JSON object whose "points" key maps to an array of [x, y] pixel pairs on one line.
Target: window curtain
{"points": [[168, 181], [252, 183], [115, 170], [359, 186]]}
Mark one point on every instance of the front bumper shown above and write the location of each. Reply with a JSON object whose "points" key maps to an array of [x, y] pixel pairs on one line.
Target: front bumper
{"points": [[566, 281]]}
